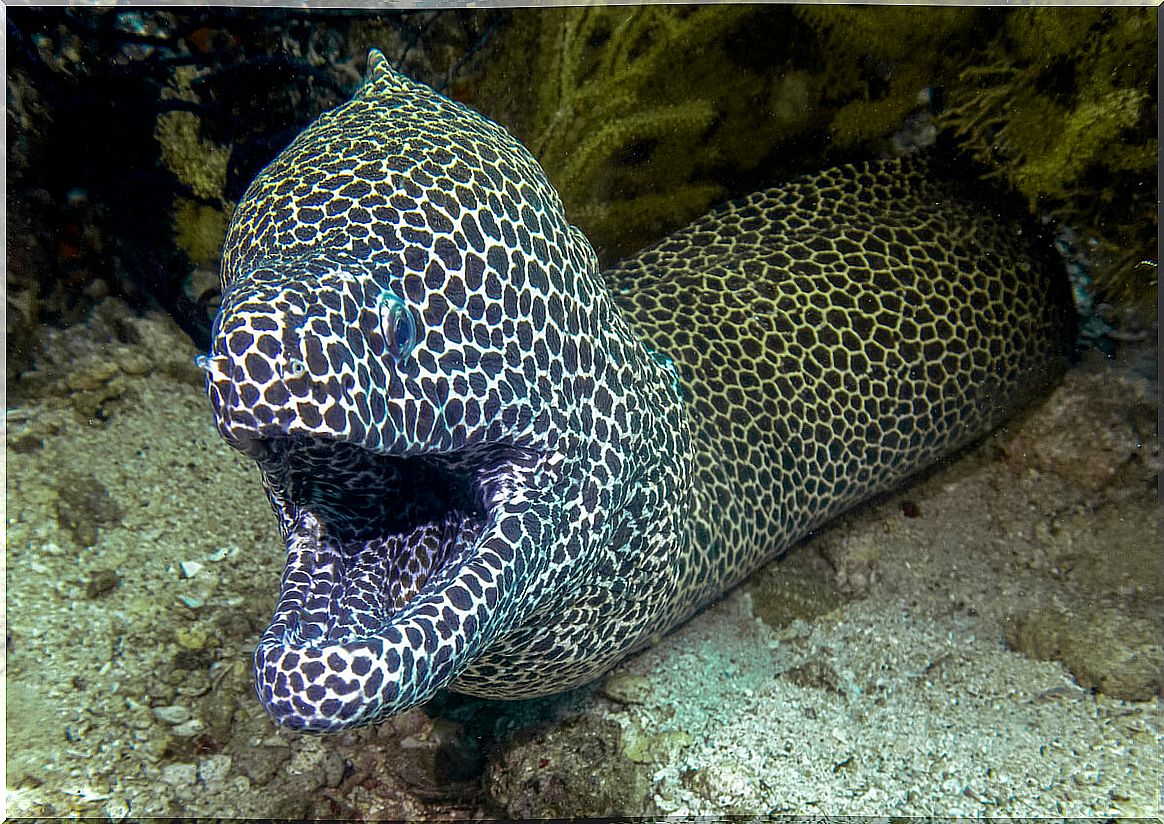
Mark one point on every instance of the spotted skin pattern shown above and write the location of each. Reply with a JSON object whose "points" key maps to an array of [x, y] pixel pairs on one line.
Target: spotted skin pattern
{"points": [[499, 471]]}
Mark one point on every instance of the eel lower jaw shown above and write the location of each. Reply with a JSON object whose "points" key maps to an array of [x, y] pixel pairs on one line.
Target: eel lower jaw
{"points": [[382, 600]]}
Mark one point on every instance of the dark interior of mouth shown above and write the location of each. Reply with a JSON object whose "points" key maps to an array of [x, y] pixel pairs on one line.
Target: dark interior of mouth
{"points": [[387, 526]]}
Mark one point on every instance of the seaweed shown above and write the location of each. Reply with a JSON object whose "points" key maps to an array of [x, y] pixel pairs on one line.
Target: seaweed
{"points": [[199, 213], [199, 229], [877, 65], [1062, 104], [643, 116]]}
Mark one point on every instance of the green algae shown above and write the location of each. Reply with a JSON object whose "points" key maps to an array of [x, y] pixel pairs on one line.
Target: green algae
{"points": [[630, 114], [1062, 104], [874, 63], [199, 222], [646, 116]]}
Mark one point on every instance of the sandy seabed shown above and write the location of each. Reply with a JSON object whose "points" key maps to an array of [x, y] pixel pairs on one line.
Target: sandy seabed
{"points": [[983, 642]]}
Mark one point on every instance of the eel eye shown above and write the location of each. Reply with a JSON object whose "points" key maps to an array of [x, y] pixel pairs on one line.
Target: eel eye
{"points": [[295, 368], [396, 325]]}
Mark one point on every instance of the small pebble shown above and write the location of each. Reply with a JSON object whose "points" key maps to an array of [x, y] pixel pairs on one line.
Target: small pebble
{"points": [[626, 688], [656, 748], [173, 714], [25, 443], [180, 775], [133, 363], [190, 568], [189, 729], [213, 769], [92, 376], [102, 582], [220, 553], [192, 638]]}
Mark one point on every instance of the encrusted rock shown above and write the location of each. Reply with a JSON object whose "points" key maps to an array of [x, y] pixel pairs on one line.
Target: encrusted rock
{"points": [[626, 688], [84, 505], [189, 729], [102, 582], [437, 759], [92, 375], [657, 748], [575, 768], [180, 775], [260, 763], [213, 769], [1105, 650]]}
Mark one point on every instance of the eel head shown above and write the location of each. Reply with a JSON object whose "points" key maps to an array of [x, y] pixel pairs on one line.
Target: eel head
{"points": [[412, 345]]}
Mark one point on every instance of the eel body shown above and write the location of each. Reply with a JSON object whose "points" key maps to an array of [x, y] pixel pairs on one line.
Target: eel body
{"points": [[499, 470]]}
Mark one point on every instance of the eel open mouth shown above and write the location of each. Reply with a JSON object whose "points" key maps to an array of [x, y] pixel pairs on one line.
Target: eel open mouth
{"points": [[381, 555]]}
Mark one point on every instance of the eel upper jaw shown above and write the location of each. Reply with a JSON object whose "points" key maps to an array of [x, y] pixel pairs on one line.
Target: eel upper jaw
{"points": [[384, 573]]}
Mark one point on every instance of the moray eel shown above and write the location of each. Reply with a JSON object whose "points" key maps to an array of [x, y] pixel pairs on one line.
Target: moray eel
{"points": [[499, 470]]}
